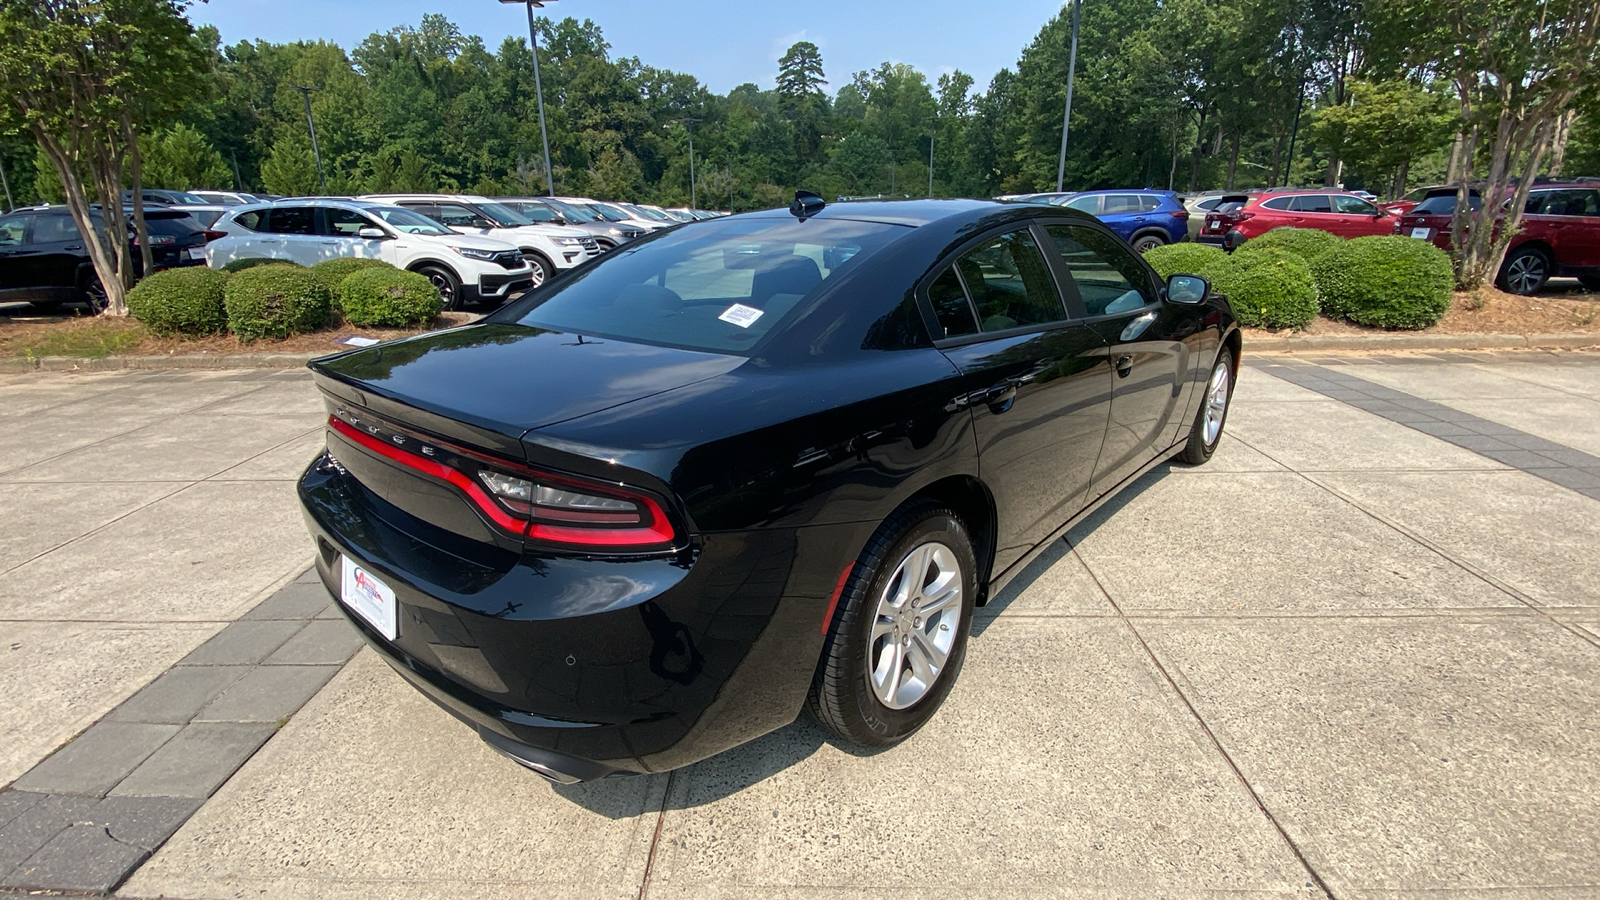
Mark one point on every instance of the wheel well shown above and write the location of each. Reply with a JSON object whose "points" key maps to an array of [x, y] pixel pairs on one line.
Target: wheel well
{"points": [[970, 500], [1234, 343], [421, 264], [1540, 246], [1151, 230], [530, 251]]}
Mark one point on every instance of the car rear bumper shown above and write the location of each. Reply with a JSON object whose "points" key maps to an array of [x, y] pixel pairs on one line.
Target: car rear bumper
{"points": [[583, 668], [1233, 240]]}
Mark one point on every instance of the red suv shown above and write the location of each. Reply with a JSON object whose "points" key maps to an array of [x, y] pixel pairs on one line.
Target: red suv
{"points": [[1560, 234], [1240, 217]]}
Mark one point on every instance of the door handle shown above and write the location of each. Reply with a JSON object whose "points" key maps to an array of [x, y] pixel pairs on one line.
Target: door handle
{"points": [[271, 241], [73, 247], [1124, 366], [1000, 397]]}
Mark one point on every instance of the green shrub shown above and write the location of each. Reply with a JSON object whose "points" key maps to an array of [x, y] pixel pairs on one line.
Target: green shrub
{"points": [[181, 301], [1308, 243], [331, 272], [1185, 259], [387, 297], [239, 265], [1388, 281], [1269, 288], [275, 301]]}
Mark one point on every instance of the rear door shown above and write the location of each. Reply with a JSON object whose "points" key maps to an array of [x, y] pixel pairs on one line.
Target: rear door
{"points": [[1316, 211], [295, 230], [1036, 380], [1154, 347]]}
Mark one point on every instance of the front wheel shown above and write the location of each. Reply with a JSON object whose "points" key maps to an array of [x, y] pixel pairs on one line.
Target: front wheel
{"points": [[445, 280], [1525, 271], [1213, 412], [1147, 242], [540, 266], [899, 636], [94, 294]]}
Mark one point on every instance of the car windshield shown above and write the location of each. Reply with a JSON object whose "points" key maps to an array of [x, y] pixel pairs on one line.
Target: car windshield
{"points": [[503, 215], [1443, 205], [648, 213], [609, 213], [571, 213], [720, 288], [536, 211], [408, 222]]}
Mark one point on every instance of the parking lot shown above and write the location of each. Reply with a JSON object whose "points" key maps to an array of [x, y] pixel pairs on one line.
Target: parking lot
{"points": [[1356, 655]]}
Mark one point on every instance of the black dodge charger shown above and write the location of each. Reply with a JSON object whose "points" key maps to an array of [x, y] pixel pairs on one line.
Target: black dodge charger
{"points": [[749, 465]]}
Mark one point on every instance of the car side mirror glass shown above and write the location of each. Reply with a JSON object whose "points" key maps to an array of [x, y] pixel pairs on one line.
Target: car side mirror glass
{"points": [[480, 222], [371, 233], [1187, 289]]}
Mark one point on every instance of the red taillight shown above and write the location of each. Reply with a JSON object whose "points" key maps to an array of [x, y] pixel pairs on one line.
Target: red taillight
{"points": [[213, 235], [540, 506], [1180, 214]]}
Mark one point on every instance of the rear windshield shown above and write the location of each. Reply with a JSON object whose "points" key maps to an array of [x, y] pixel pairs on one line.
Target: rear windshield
{"points": [[720, 288], [1443, 205]]}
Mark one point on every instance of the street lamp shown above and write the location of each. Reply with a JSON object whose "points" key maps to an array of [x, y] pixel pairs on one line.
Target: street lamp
{"points": [[1072, 69], [538, 90], [688, 125], [312, 126]]}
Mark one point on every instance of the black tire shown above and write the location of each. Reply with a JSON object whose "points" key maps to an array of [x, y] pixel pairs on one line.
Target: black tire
{"points": [[446, 281], [842, 695], [1592, 282], [1524, 272], [1199, 448], [94, 294], [542, 269], [1144, 243], [606, 244]]}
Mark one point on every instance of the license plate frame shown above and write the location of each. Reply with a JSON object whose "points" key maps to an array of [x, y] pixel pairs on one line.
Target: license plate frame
{"points": [[195, 253], [369, 598], [1422, 234]]}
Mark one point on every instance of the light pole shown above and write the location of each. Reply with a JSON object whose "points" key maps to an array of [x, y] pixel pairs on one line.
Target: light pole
{"points": [[688, 126], [1072, 69], [538, 90], [312, 126], [931, 126]]}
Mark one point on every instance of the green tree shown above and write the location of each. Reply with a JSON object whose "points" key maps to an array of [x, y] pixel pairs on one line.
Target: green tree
{"points": [[862, 162], [291, 168], [1384, 128], [182, 159], [82, 77]]}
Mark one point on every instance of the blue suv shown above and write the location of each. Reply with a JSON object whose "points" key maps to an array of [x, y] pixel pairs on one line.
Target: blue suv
{"points": [[1144, 219]]}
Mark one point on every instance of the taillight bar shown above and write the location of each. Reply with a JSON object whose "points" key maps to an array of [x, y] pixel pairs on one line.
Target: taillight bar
{"points": [[591, 517]]}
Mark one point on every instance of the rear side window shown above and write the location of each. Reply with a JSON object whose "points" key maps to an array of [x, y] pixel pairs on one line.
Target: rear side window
{"points": [[1443, 205], [254, 219], [56, 230], [1566, 202], [1108, 278], [721, 287], [950, 305], [1148, 202], [1278, 203], [294, 220], [1010, 284], [1123, 203]]}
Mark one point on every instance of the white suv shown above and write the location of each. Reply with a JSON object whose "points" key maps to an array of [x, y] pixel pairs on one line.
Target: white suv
{"points": [[548, 248], [308, 231]]}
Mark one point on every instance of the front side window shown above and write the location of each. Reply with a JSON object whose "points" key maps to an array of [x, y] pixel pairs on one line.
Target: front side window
{"points": [[346, 222], [1354, 206], [1312, 203], [13, 229], [1109, 279], [407, 221], [1010, 284], [720, 288], [457, 216], [294, 220], [1090, 205], [537, 212]]}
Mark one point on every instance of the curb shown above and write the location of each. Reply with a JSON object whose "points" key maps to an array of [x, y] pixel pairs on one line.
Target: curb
{"points": [[1380, 342], [1306, 344]]}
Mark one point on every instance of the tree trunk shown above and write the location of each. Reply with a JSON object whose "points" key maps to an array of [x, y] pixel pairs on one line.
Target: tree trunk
{"points": [[1172, 174], [1478, 260], [1558, 142], [1453, 174], [1233, 159], [109, 256], [136, 168]]}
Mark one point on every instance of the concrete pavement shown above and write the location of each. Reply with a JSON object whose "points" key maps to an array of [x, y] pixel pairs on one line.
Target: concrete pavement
{"points": [[1346, 658]]}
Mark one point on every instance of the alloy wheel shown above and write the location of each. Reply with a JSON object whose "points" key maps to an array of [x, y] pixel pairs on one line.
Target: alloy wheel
{"points": [[447, 288], [1217, 403], [915, 626], [1526, 274], [538, 272]]}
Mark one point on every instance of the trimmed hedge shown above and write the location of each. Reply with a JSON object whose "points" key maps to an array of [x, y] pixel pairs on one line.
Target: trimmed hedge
{"points": [[181, 301], [387, 297], [275, 301], [331, 272], [1308, 243], [1269, 288], [1185, 259], [239, 265], [1388, 281]]}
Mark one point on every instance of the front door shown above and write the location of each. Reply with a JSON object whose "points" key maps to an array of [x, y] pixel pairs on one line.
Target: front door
{"points": [[13, 241], [1154, 348], [1036, 380], [1358, 218], [58, 253]]}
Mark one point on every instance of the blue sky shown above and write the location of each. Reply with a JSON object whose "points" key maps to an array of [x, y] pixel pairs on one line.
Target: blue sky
{"points": [[724, 43]]}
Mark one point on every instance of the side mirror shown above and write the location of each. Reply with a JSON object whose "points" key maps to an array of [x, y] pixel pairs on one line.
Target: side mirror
{"points": [[480, 222], [1187, 289], [372, 233]]}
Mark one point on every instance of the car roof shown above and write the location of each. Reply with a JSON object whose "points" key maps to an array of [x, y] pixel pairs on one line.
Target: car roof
{"points": [[460, 198], [1159, 191], [916, 213]]}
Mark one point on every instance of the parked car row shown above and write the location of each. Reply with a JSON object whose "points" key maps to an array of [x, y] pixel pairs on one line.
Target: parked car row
{"points": [[1559, 234], [45, 261], [1236, 218]]}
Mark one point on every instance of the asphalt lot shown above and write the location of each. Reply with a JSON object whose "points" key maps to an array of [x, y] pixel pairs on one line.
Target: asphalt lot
{"points": [[1356, 655]]}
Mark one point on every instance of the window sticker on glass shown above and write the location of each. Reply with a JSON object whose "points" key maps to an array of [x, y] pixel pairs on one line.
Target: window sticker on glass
{"points": [[740, 315]]}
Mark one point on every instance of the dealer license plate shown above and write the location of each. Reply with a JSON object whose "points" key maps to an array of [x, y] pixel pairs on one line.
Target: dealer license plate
{"points": [[1421, 233], [370, 598], [196, 252]]}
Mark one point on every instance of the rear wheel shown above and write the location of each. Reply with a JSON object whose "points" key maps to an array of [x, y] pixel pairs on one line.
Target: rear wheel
{"points": [[1212, 414], [1525, 271], [898, 638], [1147, 242], [445, 280]]}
